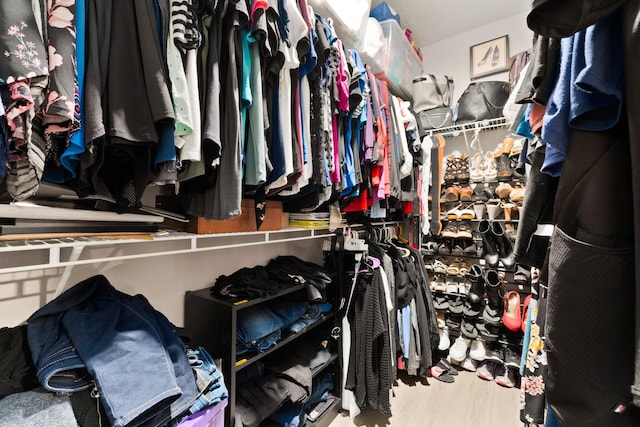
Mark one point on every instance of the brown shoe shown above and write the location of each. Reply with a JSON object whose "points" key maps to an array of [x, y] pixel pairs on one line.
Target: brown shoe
{"points": [[504, 147]]}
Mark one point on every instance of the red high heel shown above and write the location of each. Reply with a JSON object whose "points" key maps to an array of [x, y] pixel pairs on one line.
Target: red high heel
{"points": [[511, 316]]}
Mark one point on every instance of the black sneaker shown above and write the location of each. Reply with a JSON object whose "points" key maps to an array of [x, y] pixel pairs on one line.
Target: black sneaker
{"points": [[444, 248], [489, 333], [495, 354], [491, 316], [511, 358], [457, 249]]}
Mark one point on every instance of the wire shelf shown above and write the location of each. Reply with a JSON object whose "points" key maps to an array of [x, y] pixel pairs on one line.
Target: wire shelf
{"points": [[483, 125]]}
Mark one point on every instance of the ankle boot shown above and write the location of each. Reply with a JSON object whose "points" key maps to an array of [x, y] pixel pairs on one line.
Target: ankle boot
{"points": [[505, 172], [504, 245], [494, 289], [476, 291], [489, 249]]}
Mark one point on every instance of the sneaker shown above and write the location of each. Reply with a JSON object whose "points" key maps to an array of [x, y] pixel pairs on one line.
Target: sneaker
{"points": [[458, 350], [444, 343], [458, 248], [440, 302], [468, 364], [505, 376], [444, 248], [487, 370], [468, 330], [495, 354], [439, 284], [430, 248], [478, 350], [472, 311], [511, 358], [492, 316], [456, 305], [489, 333]]}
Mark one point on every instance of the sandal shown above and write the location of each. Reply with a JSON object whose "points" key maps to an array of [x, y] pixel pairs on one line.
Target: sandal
{"points": [[491, 172], [478, 166], [453, 270], [452, 193], [463, 168], [466, 193], [503, 190], [439, 267], [449, 175], [464, 231], [466, 213], [454, 213], [517, 194], [463, 270], [450, 231]]}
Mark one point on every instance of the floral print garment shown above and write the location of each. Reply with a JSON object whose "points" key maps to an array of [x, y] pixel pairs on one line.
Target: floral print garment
{"points": [[21, 46], [532, 390], [60, 107]]}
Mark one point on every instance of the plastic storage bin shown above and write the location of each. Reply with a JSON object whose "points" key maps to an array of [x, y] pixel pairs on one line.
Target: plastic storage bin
{"points": [[350, 18], [397, 62], [209, 417]]}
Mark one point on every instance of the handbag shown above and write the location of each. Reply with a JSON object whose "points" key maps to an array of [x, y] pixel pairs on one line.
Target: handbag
{"points": [[482, 101], [434, 118], [431, 91]]}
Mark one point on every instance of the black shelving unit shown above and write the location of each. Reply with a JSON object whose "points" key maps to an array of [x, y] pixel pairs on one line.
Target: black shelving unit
{"points": [[212, 322]]}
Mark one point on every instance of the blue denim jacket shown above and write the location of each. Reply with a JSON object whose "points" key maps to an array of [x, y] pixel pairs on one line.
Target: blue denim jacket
{"points": [[95, 336]]}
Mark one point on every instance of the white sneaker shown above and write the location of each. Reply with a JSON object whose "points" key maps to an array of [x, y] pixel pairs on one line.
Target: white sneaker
{"points": [[445, 342], [458, 350], [478, 350], [468, 364]]}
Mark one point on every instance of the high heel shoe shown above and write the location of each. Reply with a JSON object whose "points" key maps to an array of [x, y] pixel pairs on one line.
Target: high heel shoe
{"points": [[485, 58], [491, 171], [477, 168]]}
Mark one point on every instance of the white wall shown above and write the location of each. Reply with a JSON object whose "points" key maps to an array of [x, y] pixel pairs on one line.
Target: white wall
{"points": [[163, 280], [451, 56]]}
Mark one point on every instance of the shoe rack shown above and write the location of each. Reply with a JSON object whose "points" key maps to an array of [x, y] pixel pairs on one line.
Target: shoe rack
{"points": [[479, 226]]}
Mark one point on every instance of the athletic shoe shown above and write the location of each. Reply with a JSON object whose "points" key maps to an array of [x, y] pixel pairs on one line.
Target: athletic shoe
{"points": [[458, 350], [468, 364], [511, 358], [478, 350], [506, 377], [487, 370]]}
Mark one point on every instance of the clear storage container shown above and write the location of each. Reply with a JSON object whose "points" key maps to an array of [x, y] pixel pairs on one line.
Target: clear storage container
{"points": [[396, 62]]}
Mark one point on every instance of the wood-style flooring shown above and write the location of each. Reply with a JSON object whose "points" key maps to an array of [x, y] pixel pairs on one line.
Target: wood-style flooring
{"points": [[468, 402]]}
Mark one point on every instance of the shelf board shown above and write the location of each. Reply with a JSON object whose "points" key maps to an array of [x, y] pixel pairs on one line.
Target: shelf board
{"points": [[240, 303], [318, 370], [244, 360], [161, 243]]}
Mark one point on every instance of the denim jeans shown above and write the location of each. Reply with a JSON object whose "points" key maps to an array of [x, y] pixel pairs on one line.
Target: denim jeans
{"points": [[313, 313], [259, 321], [209, 380], [117, 344]]}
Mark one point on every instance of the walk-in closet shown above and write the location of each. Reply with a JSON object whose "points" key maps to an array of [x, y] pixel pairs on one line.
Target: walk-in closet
{"points": [[320, 213]]}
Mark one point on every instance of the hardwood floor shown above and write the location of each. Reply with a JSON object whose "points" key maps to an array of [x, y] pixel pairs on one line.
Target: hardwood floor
{"points": [[468, 402]]}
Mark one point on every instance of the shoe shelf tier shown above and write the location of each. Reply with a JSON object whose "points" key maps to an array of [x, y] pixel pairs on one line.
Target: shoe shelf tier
{"points": [[483, 125]]}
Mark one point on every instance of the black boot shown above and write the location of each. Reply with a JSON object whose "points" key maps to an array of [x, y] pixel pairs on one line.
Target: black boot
{"points": [[489, 249], [504, 245], [494, 289], [492, 313], [476, 291]]}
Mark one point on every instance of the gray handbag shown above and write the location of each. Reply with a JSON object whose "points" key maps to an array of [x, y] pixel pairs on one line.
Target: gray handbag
{"points": [[430, 91], [434, 118]]}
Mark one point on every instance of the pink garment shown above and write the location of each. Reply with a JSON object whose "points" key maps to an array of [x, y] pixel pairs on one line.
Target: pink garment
{"points": [[341, 80], [335, 175], [258, 4]]}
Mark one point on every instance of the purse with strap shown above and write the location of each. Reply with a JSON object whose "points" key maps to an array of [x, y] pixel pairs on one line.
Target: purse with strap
{"points": [[430, 91], [434, 118], [482, 101]]}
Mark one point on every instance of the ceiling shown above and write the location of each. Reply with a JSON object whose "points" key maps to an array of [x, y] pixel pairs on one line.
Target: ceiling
{"points": [[435, 20]]}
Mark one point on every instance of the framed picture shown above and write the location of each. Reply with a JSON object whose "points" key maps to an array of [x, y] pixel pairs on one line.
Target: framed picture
{"points": [[489, 57]]}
